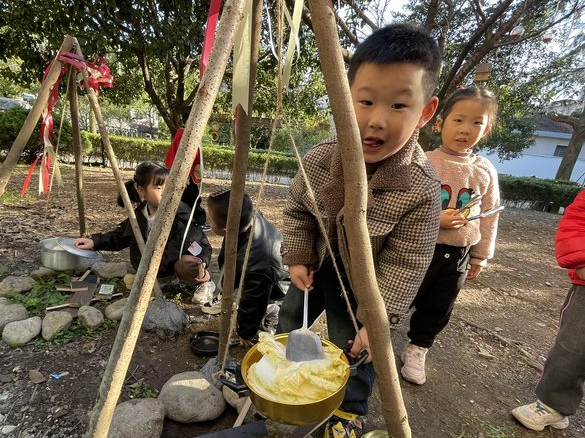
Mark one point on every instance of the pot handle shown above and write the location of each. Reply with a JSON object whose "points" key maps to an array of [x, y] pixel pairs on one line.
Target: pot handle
{"points": [[233, 380]]}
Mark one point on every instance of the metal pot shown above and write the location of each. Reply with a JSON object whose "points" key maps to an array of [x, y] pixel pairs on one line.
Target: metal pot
{"points": [[306, 413], [53, 256]]}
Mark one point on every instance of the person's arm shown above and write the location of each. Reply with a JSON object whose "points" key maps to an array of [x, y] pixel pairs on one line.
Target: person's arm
{"points": [[253, 303], [115, 240], [570, 236]]}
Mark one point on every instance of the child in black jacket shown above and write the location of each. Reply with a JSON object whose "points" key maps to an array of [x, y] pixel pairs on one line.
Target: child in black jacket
{"points": [[146, 188]]}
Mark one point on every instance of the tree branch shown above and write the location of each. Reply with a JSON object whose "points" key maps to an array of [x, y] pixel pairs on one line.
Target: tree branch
{"points": [[150, 90], [360, 13]]}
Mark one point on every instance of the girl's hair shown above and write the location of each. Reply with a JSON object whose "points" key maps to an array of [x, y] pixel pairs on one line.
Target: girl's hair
{"points": [[147, 172], [489, 99], [218, 203]]}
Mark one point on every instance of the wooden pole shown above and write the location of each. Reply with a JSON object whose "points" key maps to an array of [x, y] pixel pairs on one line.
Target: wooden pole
{"points": [[243, 119], [77, 152], [131, 323], [33, 116], [362, 270]]}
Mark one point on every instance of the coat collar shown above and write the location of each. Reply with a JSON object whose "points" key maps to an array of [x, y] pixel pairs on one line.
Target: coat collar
{"points": [[393, 174]]}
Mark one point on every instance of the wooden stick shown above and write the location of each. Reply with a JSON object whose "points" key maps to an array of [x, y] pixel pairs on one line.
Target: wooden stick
{"points": [[137, 304], [243, 412], [33, 116], [356, 195], [84, 276], [73, 103]]}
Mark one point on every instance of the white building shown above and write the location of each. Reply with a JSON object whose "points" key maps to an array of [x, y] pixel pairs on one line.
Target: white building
{"points": [[542, 160]]}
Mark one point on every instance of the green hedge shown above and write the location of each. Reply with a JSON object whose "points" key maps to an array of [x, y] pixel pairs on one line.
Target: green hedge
{"points": [[216, 158], [539, 194]]}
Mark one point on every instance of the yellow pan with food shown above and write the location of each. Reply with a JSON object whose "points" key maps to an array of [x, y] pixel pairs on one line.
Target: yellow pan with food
{"points": [[296, 414]]}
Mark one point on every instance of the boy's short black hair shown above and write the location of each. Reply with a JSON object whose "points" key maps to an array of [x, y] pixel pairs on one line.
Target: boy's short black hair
{"points": [[218, 205], [398, 43]]}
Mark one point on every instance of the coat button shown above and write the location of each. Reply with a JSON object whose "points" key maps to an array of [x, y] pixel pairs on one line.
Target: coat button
{"points": [[447, 255], [394, 319]]}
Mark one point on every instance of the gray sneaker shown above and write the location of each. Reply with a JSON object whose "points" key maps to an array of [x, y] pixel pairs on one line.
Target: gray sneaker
{"points": [[203, 293], [537, 416], [270, 319]]}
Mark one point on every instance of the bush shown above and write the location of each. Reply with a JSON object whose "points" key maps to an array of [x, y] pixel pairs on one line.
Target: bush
{"points": [[538, 194], [11, 122]]}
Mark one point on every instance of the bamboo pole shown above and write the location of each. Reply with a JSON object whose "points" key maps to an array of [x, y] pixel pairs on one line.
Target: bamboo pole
{"points": [[73, 103], [356, 194], [130, 325], [33, 116], [243, 119]]}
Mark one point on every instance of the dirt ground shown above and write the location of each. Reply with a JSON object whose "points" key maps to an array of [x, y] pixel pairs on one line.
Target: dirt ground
{"points": [[484, 364]]}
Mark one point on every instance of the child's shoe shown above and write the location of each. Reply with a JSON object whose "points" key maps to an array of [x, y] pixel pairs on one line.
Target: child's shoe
{"points": [[203, 293], [343, 425], [537, 416], [413, 369], [213, 307], [270, 319]]}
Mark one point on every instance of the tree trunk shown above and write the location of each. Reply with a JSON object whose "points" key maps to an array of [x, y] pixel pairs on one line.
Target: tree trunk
{"points": [[131, 323], [575, 144], [33, 116], [362, 270], [243, 120]]}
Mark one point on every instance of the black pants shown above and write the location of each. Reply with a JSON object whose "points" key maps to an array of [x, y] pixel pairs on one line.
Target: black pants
{"points": [[561, 383], [326, 295], [189, 196], [437, 294]]}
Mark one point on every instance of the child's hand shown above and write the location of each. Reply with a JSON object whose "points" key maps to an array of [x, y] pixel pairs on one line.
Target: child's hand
{"points": [[474, 271], [84, 243], [581, 272], [452, 219], [361, 343], [246, 342], [301, 277]]}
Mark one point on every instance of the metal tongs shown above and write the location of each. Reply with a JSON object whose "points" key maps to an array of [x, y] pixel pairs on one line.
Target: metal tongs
{"points": [[486, 213], [474, 200]]}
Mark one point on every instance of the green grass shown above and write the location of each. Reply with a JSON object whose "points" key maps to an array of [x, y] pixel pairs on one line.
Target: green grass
{"points": [[78, 331], [42, 294]]}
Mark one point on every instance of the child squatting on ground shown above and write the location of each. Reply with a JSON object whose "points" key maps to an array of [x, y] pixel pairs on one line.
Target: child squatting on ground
{"points": [[392, 76], [146, 188], [257, 308], [469, 186], [560, 389]]}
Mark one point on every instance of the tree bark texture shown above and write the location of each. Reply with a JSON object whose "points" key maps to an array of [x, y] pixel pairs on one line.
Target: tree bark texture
{"points": [[575, 144], [362, 270], [131, 323], [33, 116], [238, 185]]}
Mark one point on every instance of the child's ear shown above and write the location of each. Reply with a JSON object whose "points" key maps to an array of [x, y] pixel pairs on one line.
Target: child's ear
{"points": [[428, 112]]}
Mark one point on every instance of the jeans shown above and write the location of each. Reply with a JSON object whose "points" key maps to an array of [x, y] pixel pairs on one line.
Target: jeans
{"points": [[326, 296]]}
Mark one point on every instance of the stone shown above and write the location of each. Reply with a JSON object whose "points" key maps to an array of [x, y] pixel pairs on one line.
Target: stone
{"points": [[4, 301], [115, 311], [11, 313], [90, 316], [189, 397], [110, 270], [42, 272], [129, 280], [18, 333], [55, 322], [15, 284], [138, 418]]}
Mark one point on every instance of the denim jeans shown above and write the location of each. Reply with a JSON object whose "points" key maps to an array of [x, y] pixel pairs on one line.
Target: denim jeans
{"points": [[326, 296]]}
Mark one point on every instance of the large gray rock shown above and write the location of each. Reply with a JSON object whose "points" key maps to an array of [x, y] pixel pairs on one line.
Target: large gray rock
{"points": [[115, 311], [189, 397], [110, 270], [15, 284], [90, 316], [55, 322], [4, 301], [42, 271], [12, 312], [18, 333], [139, 418]]}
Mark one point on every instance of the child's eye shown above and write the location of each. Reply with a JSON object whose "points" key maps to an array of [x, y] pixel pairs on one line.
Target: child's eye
{"points": [[398, 106], [457, 120], [366, 102]]}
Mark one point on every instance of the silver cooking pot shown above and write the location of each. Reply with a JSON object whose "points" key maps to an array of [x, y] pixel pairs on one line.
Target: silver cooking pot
{"points": [[60, 254]]}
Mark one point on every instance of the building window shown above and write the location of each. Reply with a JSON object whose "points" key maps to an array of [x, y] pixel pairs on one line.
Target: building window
{"points": [[560, 151]]}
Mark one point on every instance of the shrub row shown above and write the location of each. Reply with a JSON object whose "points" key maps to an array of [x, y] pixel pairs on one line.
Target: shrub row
{"points": [[538, 194]]}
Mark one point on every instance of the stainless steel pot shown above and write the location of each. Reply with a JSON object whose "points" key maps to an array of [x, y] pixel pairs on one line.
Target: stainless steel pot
{"points": [[53, 256]]}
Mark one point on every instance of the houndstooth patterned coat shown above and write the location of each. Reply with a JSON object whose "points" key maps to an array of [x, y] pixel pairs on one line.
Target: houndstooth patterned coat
{"points": [[404, 203]]}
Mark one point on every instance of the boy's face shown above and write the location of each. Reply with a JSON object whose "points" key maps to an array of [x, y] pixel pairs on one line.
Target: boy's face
{"points": [[213, 223], [389, 103]]}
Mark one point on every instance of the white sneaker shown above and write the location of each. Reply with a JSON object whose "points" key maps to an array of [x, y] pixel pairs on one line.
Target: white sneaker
{"points": [[270, 319], [413, 369], [213, 307], [203, 293], [537, 416]]}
